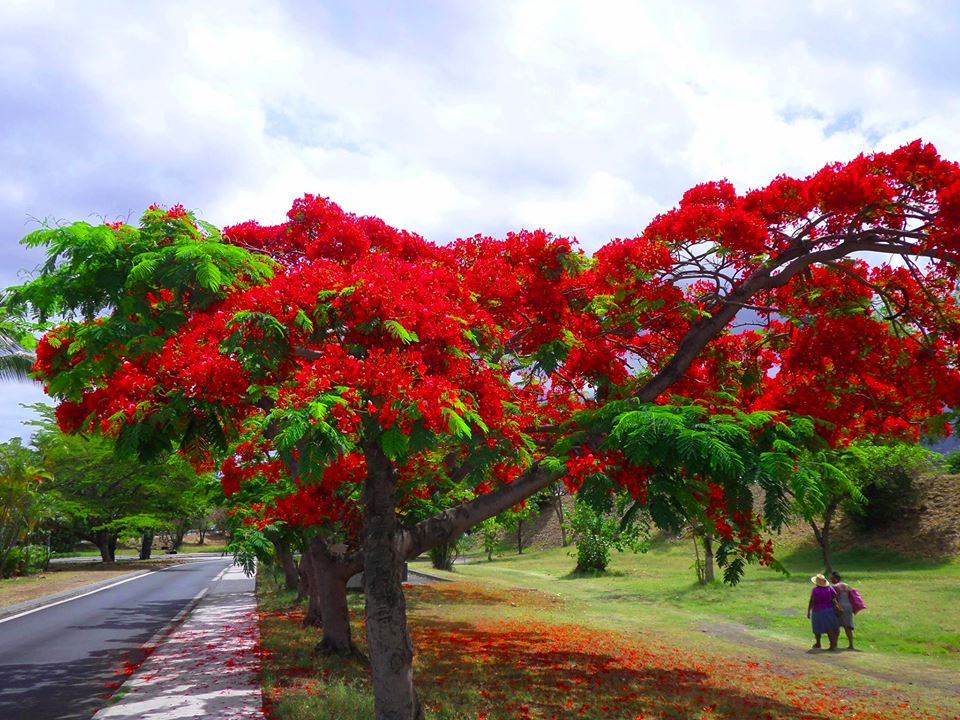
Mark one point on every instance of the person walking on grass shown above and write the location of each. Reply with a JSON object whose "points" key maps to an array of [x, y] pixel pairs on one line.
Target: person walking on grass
{"points": [[821, 612], [843, 596]]}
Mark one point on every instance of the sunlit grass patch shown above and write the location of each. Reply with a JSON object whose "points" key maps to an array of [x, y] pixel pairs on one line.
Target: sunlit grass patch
{"points": [[496, 652]]}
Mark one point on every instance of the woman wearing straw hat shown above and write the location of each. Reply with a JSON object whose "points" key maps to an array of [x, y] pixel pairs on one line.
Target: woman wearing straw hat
{"points": [[821, 613]]}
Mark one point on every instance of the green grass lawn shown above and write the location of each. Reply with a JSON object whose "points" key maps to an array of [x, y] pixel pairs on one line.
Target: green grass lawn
{"points": [[206, 548], [913, 607], [85, 553], [520, 637]]}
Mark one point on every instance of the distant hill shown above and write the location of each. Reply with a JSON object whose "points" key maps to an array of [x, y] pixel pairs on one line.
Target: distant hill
{"points": [[929, 530], [945, 446]]}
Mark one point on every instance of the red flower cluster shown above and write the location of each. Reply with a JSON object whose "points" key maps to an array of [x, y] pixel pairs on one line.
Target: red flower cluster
{"points": [[476, 354]]}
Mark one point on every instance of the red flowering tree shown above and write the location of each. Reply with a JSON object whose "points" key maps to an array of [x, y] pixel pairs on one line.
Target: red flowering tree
{"points": [[500, 364]]}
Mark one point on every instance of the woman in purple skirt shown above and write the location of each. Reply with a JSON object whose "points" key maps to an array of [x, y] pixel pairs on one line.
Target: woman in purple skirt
{"points": [[821, 613]]}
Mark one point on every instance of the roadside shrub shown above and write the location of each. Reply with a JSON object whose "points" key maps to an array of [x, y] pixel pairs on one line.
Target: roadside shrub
{"points": [[24, 560], [443, 555]]}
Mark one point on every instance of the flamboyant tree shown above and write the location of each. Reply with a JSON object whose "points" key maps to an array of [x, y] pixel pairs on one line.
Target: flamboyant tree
{"points": [[500, 365]]}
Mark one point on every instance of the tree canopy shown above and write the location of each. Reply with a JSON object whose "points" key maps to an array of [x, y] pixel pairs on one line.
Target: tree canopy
{"points": [[377, 366]]}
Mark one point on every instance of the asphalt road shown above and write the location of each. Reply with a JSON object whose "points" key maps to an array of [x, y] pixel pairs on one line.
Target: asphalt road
{"points": [[63, 662]]}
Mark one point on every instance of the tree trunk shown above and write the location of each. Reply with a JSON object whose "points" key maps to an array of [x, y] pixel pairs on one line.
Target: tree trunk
{"points": [[202, 532], [519, 537], [336, 639], [327, 590], [388, 640], [311, 571], [285, 557], [302, 583], [146, 544], [697, 565], [708, 575], [822, 534], [106, 544], [179, 530], [558, 508]]}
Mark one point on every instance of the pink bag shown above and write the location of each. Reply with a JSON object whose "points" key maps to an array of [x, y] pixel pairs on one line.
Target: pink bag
{"points": [[856, 602]]}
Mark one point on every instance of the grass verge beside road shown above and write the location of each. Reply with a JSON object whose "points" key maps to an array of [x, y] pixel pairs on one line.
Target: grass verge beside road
{"points": [[16, 590], [521, 638]]}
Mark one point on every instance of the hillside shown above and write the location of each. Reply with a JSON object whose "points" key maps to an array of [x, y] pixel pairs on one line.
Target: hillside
{"points": [[931, 530]]}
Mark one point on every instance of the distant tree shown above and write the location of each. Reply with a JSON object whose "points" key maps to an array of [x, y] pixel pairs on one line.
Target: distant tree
{"points": [[99, 495], [22, 506], [835, 483], [512, 521], [557, 494], [489, 533]]}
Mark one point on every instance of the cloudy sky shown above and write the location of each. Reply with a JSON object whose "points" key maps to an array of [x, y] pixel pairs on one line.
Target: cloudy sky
{"points": [[443, 117]]}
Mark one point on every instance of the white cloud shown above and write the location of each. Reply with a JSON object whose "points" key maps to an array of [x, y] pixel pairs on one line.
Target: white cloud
{"points": [[449, 119]]}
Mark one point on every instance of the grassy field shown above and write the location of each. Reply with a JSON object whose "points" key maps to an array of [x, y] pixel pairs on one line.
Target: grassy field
{"points": [[767, 604], [521, 638]]}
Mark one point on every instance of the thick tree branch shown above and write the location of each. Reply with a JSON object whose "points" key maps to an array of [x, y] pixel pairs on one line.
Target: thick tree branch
{"points": [[453, 522], [789, 264]]}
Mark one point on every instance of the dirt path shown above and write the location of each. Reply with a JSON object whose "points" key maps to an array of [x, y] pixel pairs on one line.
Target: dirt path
{"points": [[931, 678]]}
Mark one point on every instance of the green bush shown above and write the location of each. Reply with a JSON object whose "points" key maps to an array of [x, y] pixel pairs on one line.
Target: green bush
{"points": [[952, 463], [443, 555], [593, 550], [24, 560], [887, 479], [597, 533]]}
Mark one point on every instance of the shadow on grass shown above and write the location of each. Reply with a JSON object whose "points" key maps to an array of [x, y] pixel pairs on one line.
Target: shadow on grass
{"points": [[523, 669], [516, 666], [592, 574], [806, 560]]}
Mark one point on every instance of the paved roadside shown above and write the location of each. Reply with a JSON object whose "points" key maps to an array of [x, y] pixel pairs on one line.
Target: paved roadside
{"points": [[208, 667], [85, 587], [52, 598]]}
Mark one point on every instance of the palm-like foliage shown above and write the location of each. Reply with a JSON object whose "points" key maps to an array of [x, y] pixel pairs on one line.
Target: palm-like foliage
{"points": [[15, 359]]}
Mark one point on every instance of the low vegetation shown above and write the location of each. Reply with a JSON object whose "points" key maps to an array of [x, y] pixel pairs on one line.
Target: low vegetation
{"points": [[523, 637]]}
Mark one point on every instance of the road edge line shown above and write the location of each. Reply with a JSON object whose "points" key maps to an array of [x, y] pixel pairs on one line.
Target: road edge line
{"points": [[77, 593], [77, 597], [151, 645]]}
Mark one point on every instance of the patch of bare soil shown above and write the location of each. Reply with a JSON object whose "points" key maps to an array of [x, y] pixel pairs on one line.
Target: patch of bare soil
{"points": [[929, 530], [931, 678]]}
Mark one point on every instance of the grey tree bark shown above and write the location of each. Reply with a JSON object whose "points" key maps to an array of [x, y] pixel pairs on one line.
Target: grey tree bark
{"points": [[107, 545], [388, 639], [291, 577], [146, 544], [330, 574]]}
